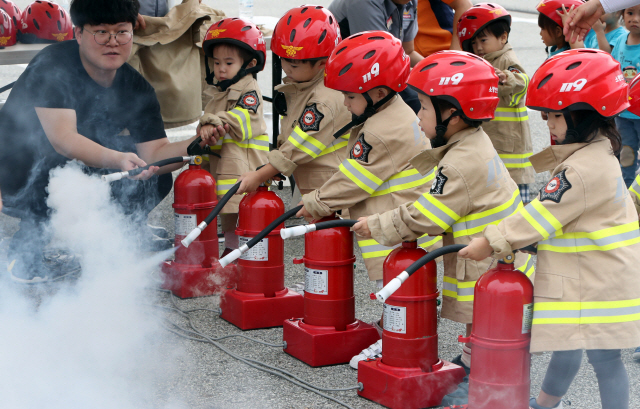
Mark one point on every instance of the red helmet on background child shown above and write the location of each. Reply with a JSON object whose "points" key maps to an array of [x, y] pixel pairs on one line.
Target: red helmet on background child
{"points": [[367, 60], [45, 22], [8, 30], [577, 80], [476, 19], [13, 11], [634, 95], [465, 80], [550, 8], [305, 33], [240, 33]]}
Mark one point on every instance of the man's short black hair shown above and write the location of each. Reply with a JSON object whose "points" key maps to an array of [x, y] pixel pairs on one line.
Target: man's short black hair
{"points": [[496, 28], [95, 12]]}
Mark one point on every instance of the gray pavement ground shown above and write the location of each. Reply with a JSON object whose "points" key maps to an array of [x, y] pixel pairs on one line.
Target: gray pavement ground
{"points": [[205, 377]]}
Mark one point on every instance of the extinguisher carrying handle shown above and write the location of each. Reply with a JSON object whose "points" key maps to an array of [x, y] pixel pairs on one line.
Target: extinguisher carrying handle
{"points": [[194, 148], [300, 230], [235, 254], [133, 172], [203, 225], [396, 282]]}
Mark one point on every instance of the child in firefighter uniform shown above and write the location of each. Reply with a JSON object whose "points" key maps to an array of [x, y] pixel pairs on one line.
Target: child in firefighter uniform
{"points": [[472, 187], [370, 69], [233, 123], [311, 113], [586, 290], [484, 31]]}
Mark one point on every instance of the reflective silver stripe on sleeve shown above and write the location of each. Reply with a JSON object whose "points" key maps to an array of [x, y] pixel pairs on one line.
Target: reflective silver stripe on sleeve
{"points": [[448, 220]]}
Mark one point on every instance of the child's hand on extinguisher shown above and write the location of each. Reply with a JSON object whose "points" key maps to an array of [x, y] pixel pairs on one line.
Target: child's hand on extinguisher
{"points": [[362, 228], [478, 249], [304, 212]]}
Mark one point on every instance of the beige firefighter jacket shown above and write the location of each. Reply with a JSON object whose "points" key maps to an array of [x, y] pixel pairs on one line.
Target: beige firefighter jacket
{"points": [[246, 145], [306, 146], [509, 130], [587, 285], [167, 54], [471, 189], [634, 189], [377, 175]]}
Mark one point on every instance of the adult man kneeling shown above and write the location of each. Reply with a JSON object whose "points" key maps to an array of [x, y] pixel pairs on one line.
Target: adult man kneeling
{"points": [[79, 100]]}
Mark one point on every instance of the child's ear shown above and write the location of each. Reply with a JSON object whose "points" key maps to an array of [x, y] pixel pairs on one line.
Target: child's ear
{"points": [[322, 63], [504, 38], [559, 32], [253, 63]]}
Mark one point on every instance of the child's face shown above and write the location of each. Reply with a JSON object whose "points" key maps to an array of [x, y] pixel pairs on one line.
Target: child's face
{"points": [[486, 43], [557, 126], [300, 71], [632, 19], [549, 39], [427, 116], [226, 62], [355, 103]]}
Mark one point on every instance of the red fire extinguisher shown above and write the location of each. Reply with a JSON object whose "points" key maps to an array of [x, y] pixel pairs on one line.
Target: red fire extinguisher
{"points": [[409, 367], [500, 362], [189, 274], [260, 299], [328, 333]]}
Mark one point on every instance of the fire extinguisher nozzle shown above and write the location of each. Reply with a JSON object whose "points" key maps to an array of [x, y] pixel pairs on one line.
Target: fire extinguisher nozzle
{"points": [[392, 286], [297, 231], [114, 176], [233, 256], [191, 237]]}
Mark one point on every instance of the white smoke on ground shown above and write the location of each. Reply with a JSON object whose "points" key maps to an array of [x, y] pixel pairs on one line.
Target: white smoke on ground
{"points": [[95, 343]]}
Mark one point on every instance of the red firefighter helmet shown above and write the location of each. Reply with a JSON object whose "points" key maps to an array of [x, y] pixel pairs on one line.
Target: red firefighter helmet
{"points": [[305, 33], [579, 79], [549, 8], [476, 19], [8, 30], [634, 95], [45, 22], [367, 60], [461, 78], [13, 11], [238, 32]]}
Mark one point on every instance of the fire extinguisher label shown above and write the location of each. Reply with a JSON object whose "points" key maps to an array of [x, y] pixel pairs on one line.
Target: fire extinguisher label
{"points": [[316, 281], [259, 252], [395, 319], [185, 223], [527, 318]]}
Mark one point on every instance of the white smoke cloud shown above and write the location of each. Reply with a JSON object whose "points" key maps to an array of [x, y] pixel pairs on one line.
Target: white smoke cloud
{"points": [[95, 343]]}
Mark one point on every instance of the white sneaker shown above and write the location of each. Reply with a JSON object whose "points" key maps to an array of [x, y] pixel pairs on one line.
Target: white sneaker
{"points": [[373, 351]]}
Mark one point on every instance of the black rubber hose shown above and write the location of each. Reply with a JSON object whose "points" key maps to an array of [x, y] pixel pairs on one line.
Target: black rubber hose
{"points": [[222, 203], [292, 212], [160, 163], [454, 248], [335, 223]]}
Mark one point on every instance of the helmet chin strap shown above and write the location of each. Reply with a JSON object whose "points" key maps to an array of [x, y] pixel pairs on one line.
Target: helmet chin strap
{"points": [[223, 85], [441, 126], [369, 111], [574, 131]]}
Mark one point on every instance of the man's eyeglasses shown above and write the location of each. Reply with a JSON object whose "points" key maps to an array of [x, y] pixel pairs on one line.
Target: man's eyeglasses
{"points": [[102, 37]]}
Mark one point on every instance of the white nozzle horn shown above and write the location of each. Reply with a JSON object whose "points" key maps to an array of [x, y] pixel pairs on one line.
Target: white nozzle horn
{"points": [[391, 287], [297, 231], [191, 236], [114, 176], [233, 256]]}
